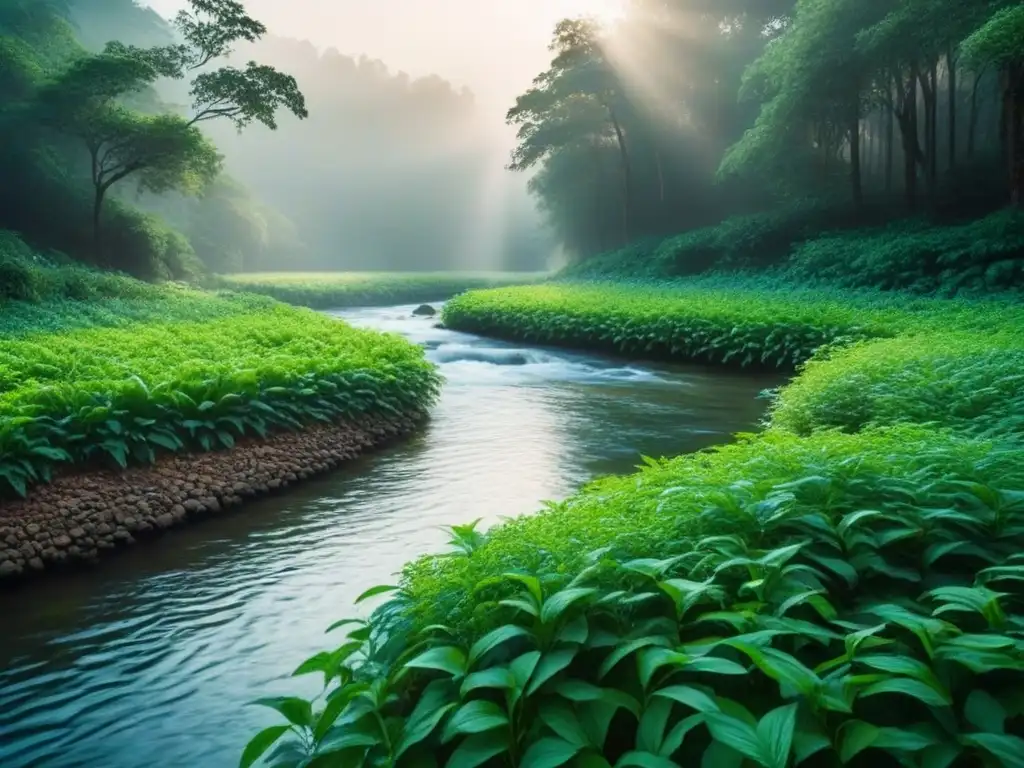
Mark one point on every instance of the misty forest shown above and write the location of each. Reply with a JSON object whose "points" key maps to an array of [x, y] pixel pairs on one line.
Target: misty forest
{"points": [[645, 390]]}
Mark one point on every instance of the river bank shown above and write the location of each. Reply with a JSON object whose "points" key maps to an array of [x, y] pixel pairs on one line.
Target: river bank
{"points": [[78, 519], [880, 500]]}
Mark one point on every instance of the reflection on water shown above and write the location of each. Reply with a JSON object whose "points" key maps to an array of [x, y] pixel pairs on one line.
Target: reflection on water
{"points": [[153, 659]]}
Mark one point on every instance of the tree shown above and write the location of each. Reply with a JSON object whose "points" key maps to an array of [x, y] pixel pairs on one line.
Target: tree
{"points": [[578, 99], [999, 42], [87, 101]]}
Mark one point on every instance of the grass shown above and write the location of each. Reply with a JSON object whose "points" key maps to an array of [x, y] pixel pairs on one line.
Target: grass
{"points": [[842, 588], [336, 290]]}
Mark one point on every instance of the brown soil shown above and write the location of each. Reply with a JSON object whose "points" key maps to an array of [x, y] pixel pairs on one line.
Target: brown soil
{"points": [[79, 518]]}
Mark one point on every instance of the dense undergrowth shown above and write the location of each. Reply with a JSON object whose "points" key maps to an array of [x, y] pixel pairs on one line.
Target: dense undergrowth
{"points": [[806, 243], [118, 371], [843, 588], [335, 290]]}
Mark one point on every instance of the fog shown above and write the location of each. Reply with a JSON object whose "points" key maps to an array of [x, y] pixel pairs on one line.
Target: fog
{"points": [[401, 162]]}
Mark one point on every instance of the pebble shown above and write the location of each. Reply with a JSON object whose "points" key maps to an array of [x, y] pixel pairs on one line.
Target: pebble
{"points": [[80, 517]]}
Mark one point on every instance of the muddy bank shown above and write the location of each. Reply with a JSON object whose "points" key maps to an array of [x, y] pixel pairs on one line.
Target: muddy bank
{"points": [[77, 519]]}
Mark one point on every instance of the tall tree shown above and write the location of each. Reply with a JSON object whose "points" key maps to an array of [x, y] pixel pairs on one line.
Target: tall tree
{"points": [[87, 101]]}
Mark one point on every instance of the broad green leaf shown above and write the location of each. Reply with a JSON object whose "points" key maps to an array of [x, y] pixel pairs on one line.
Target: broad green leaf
{"points": [[716, 666], [653, 721], [493, 639], [624, 650], [295, 710], [495, 677], [474, 717], [548, 753], [478, 749], [719, 755], [1008, 750], [532, 584], [550, 664], [907, 687], [735, 733], [260, 743], [560, 718], [447, 658], [984, 712], [776, 734], [380, 589], [691, 697], [552, 608], [677, 734]]}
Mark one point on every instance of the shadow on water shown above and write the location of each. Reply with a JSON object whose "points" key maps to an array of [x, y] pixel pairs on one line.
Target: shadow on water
{"points": [[152, 659]]}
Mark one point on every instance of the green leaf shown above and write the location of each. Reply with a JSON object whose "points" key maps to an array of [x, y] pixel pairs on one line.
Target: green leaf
{"points": [[550, 665], [432, 707], [651, 731], [1008, 750], [474, 717], [776, 734], [548, 753], [478, 749], [495, 677], [560, 718], [560, 602], [907, 687], [447, 658], [984, 711], [492, 640], [675, 737], [735, 733], [690, 697], [624, 650], [855, 736], [380, 589], [719, 755], [260, 743], [715, 665], [532, 584], [295, 710]]}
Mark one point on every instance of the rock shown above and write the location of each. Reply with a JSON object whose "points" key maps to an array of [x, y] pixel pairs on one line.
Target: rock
{"points": [[194, 506], [211, 504], [7, 568], [165, 520], [424, 310], [36, 564]]}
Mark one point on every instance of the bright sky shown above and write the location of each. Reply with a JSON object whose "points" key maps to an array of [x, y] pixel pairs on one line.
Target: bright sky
{"points": [[493, 46]]}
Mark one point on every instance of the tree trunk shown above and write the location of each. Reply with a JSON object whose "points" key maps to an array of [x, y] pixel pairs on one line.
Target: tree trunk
{"points": [[972, 122], [889, 140], [855, 171], [626, 175], [951, 67], [929, 159], [1014, 119], [906, 114], [97, 239]]}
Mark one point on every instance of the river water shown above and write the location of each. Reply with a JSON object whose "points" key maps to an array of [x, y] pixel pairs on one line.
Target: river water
{"points": [[151, 660]]}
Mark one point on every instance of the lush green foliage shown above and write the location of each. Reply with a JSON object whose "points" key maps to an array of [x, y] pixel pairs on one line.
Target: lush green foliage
{"points": [[331, 290], [819, 601], [747, 321], [185, 371], [967, 381]]}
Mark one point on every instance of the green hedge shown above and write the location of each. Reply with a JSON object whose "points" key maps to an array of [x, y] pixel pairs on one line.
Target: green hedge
{"points": [[208, 371]]}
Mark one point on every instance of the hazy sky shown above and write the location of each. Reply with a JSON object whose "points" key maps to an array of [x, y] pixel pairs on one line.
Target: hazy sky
{"points": [[493, 46]]}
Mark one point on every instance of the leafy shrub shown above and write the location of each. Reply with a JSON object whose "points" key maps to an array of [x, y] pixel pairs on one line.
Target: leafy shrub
{"points": [[825, 601], [969, 382], [334, 290], [125, 394], [983, 255], [716, 320]]}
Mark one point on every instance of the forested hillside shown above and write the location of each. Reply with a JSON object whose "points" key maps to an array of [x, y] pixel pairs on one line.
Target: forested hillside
{"points": [[796, 116]]}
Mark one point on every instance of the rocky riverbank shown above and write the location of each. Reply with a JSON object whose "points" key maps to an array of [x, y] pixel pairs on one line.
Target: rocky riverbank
{"points": [[79, 518]]}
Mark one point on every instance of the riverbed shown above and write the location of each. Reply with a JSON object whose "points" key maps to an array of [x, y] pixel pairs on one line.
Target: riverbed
{"points": [[153, 658]]}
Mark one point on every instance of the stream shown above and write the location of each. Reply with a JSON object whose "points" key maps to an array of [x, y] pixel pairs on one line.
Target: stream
{"points": [[152, 659]]}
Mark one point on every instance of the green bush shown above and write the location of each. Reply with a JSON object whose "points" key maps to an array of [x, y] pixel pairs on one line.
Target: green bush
{"points": [[335, 290], [124, 394], [984, 255], [746, 322], [823, 601], [973, 383]]}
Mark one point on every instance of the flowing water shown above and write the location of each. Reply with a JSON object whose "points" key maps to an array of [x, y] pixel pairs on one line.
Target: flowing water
{"points": [[151, 660]]}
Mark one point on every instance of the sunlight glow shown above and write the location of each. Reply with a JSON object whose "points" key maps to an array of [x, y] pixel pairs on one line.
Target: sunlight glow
{"points": [[604, 11]]}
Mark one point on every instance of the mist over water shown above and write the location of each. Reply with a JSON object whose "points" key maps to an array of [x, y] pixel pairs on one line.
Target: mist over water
{"points": [[154, 658]]}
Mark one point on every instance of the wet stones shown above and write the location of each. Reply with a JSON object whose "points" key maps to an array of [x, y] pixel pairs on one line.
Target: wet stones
{"points": [[78, 519]]}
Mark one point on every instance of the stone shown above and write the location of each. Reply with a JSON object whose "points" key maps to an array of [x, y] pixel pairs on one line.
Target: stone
{"points": [[194, 506], [424, 310], [36, 564], [7, 568], [165, 520]]}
